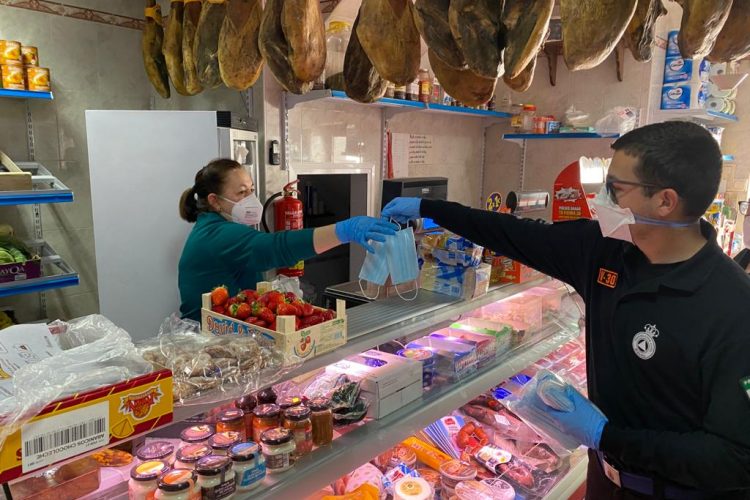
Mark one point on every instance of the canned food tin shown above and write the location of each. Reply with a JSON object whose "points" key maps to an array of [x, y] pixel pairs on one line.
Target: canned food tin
{"points": [[10, 53], [38, 79], [30, 56], [12, 77]]}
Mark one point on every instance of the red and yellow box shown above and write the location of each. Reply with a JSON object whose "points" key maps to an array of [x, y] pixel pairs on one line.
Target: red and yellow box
{"points": [[505, 270], [115, 413]]}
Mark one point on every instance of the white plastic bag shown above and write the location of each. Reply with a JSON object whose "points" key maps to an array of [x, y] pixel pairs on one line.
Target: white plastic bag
{"points": [[618, 120], [576, 118]]}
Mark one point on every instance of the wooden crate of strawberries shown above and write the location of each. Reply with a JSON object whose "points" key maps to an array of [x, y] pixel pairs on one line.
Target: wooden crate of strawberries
{"points": [[296, 327]]}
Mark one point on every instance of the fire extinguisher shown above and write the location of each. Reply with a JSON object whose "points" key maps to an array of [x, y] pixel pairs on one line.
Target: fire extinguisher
{"points": [[288, 215]]}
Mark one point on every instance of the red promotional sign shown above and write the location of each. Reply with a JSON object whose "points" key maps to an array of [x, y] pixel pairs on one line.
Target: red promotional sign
{"points": [[569, 199]]}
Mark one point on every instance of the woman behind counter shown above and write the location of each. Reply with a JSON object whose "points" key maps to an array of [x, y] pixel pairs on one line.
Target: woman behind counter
{"points": [[222, 248]]}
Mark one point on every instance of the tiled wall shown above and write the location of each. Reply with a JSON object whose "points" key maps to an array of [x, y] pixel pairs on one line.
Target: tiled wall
{"points": [[93, 66]]}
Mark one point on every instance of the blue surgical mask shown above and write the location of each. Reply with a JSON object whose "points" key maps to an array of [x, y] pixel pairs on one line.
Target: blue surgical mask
{"points": [[403, 265], [375, 268]]}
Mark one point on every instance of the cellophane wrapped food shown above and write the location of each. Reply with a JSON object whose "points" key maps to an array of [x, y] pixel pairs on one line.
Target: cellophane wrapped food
{"points": [[207, 369], [96, 353]]}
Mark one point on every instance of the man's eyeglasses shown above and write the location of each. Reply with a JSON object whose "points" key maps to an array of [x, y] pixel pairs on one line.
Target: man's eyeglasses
{"points": [[611, 181], [744, 205]]}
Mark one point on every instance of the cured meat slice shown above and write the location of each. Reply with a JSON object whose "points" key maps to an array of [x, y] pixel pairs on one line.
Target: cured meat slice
{"points": [[361, 80], [480, 34], [641, 31], [206, 43], [173, 47], [275, 49], [431, 18], [463, 85], [305, 34], [592, 28], [390, 38], [522, 82], [733, 41], [190, 17], [702, 21], [527, 23], [153, 59], [240, 61]]}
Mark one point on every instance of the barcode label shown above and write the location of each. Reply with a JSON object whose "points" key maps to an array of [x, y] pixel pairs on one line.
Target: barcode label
{"points": [[63, 436]]}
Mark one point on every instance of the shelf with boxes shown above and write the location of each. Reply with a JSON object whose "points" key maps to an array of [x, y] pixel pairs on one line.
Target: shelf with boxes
{"points": [[26, 94]]}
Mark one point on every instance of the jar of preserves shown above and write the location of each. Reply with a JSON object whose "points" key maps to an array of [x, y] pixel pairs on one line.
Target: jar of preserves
{"points": [[189, 454], [178, 484], [247, 404], [528, 114], [265, 417], [232, 419], [399, 92], [425, 86], [221, 442], [412, 90], [278, 446], [249, 465], [156, 450], [297, 420], [337, 40], [216, 477], [197, 434], [144, 479], [437, 92], [322, 421], [289, 402]]}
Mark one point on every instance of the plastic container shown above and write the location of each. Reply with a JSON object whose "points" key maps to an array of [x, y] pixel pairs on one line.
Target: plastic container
{"points": [[232, 420], [156, 450], [433, 479], [188, 455], [197, 434], [247, 404], [297, 420], [222, 442], [427, 359], [475, 490], [412, 488], [265, 417], [178, 484], [144, 479], [322, 421], [455, 471], [528, 113], [216, 477], [278, 446], [522, 312], [501, 489], [337, 39], [248, 464]]}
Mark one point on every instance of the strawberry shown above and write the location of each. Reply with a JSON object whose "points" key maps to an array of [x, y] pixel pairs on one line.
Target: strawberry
{"points": [[232, 310], [328, 314], [298, 323], [232, 301], [272, 325], [290, 297], [241, 297], [243, 311], [261, 323], [307, 309], [285, 309], [219, 295], [250, 295], [266, 315], [219, 309], [315, 319]]}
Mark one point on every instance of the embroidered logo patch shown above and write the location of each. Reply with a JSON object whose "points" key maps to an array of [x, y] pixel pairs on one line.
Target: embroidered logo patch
{"points": [[745, 384], [644, 343], [607, 278]]}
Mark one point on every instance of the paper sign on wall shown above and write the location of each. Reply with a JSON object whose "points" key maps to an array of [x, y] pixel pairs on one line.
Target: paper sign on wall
{"points": [[410, 149], [420, 149]]}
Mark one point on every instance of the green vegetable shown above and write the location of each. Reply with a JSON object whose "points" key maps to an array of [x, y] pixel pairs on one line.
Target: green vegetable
{"points": [[6, 257], [17, 254]]}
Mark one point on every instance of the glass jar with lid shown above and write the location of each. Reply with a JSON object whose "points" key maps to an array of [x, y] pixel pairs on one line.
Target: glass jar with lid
{"points": [[249, 465], [265, 417], [278, 446], [267, 396], [232, 419], [297, 420], [221, 442], [337, 40], [322, 421], [188, 455], [197, 434], [289, 402], [144, 479], [247, 404], [177, 484], [216, 477], [528, 114], [156, 450]]}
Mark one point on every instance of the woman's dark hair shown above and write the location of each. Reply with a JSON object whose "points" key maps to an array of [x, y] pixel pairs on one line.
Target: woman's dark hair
{"points": [[209, 179], [679, 155]]}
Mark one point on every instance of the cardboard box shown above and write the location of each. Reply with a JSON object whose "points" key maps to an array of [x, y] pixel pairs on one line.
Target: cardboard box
{"points": [[510, 271], [387, 380], [99, 418], [305, 344], [486, 345], [19, 271], [456, 281]]}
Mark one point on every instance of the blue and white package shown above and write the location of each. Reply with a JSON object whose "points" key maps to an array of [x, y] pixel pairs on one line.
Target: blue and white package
{"points": [[704, 70], [675, 97], [677, 69], [673, 48]]}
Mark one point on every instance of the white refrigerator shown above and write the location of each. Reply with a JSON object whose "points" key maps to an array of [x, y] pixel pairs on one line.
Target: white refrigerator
{"points": [[140, 162]]}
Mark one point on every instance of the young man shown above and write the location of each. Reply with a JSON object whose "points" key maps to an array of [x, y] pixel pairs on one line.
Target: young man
{"points": [[666, 318]]}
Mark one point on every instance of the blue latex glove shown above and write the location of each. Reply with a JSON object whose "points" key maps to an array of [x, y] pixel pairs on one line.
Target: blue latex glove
{"points": [[402, 210], [585, 422], [360, 229]]}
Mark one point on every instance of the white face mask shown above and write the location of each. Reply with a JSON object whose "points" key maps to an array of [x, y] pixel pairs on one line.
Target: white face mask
{"points": [[247, 211]]}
